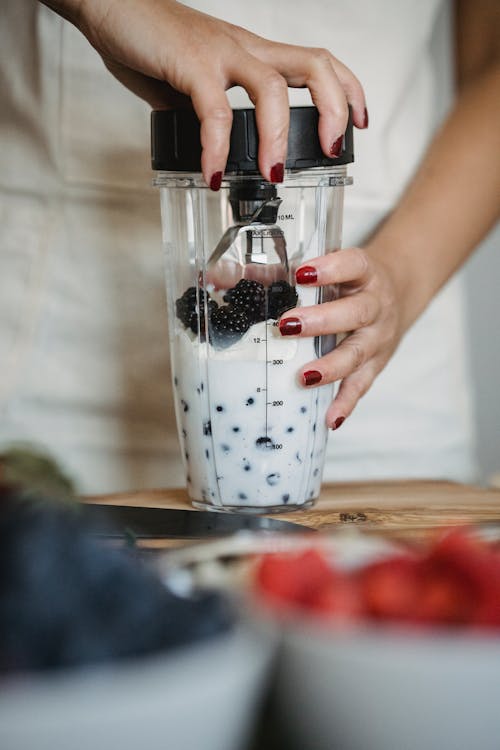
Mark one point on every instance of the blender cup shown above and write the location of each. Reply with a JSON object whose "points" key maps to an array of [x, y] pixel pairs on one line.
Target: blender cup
{"points": [[253, 438]]}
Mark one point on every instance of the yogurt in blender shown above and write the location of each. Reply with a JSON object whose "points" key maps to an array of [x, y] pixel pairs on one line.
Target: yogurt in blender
{"points": [[252, 437]]}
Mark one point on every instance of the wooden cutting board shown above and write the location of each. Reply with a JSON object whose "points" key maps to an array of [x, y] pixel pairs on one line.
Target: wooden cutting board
{"points": [[403, 508]]}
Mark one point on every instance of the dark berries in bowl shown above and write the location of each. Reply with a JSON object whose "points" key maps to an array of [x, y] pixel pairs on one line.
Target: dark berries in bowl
{"points": [[67, 599]]}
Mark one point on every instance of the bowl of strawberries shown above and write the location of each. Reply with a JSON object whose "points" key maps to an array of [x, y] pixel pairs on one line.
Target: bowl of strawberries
{"points": [[385, 647]]}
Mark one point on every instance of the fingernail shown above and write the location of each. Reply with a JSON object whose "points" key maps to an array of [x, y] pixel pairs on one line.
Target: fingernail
{"points": [[306, 275], [311, 377], [336, 147], [215, 182], [277, 172], [365, 119], [338, 422], [290, 327]]}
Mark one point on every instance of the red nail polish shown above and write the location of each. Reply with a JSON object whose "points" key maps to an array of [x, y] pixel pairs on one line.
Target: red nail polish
{"points": [[337, 147], [365, 119], [306, 275], [338, 422], [215, 182], [312, 377], [290, 326], [277, 172]]}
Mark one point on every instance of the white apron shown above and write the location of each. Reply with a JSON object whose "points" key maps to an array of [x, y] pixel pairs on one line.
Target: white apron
{"points": [[83, 332]]}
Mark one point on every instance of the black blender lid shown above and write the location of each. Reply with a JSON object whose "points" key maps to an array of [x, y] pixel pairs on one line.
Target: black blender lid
{"points": [[176, 147]]}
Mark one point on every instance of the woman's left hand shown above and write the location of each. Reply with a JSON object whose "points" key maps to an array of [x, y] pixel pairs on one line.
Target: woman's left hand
{"points": [[368, 307]]}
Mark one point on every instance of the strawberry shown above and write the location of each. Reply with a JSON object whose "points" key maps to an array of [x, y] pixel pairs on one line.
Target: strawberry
{"points": [[294, 578], [390, 588]]}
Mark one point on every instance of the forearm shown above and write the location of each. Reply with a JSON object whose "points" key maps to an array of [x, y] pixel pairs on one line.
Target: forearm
{"points": [[450, 205], [69, 9]]}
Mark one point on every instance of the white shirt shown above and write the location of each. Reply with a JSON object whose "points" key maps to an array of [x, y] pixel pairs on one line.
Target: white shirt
{"points": [[84, 364]]}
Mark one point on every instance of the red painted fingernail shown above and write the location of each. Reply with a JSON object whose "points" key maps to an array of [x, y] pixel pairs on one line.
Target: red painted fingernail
{"points": [[336, 147], [277, 172], [311, 377], [215, 182], [290, 326], [365, 119], [306, 275], [338, 422]]}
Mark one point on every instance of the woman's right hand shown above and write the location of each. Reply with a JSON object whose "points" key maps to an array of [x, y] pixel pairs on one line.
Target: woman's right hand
{"points": [[164, 51]]}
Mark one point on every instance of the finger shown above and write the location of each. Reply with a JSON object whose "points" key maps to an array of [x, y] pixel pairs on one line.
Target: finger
{"points": [[353, 264], [352, 388], [268, 90], [353, 91], [312, 68], [354, 351], [212, 107], [329, 98], [345, 314]]}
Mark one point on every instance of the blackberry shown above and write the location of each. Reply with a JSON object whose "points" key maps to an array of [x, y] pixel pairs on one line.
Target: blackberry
{"points": [[281, 296], [227, 326], [250, 297], [191, 305]]}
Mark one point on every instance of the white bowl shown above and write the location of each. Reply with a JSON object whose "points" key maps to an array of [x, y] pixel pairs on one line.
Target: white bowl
{"points": [[202, 697], [368, 687], [387, 690]]}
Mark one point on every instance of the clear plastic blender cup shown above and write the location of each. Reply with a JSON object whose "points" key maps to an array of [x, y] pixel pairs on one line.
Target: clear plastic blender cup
{"points": [[253, 438]]}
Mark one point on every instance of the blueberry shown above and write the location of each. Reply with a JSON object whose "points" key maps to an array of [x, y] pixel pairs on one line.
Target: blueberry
{"points": [[176, 381], [315, 472], [226, 449], [303, 409], [184, 433], [290, 429], [184, 405], [297, 456], [207, 453], [314, 427], [273, 479], [242, 496], [250, 401], [285, 497], [219, 408], [264, 443], [236, 429], [247, 467], [207, 428]]}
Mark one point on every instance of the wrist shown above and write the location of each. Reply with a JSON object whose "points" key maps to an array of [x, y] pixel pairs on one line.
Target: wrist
{"points": [[411, 284]]}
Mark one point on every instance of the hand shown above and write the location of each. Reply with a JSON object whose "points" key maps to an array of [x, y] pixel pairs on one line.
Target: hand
{"points": [[164, 52], [368, 306]]}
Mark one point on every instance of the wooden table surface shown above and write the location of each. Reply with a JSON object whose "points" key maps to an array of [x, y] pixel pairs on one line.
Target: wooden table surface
{"points": [[392, 508]]}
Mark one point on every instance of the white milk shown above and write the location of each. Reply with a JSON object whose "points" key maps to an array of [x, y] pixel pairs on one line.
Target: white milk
{"points": [[239, 454]]}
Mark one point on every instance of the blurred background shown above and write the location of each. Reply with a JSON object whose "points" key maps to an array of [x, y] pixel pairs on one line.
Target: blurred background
{"points": [[482, 275]]}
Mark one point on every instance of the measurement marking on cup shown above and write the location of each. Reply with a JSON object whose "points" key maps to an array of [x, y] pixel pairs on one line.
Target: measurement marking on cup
{"points": [[267, 383]]}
